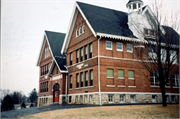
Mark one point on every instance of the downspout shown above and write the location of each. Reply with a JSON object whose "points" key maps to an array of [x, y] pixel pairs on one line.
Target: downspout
{"points": [[99, 73], [66, 82]]}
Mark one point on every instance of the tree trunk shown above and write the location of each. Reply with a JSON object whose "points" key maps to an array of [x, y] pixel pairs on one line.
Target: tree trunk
{"points": [[162, 86]]}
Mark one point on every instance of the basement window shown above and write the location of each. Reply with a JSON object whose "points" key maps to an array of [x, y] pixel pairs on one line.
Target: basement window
{"points": [[111, 98]]}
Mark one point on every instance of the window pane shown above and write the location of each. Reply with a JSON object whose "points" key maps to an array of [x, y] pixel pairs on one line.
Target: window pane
{"points": [[86, 74], [82, 77], [120, 73], [91, 73], [77, 77], [110, 73], [108, 44], [90, 47], [71, 56], [129, 47], [130, 74], [71, 79], [81, 51], [77, 53], [86, 49], [119, 46]]}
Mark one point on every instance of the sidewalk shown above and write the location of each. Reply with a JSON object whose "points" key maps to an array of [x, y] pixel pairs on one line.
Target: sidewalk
{"points": [[33, 110]]}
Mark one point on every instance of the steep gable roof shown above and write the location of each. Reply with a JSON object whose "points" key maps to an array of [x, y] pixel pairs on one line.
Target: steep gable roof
{"points": [[108, 21], [55, 41]]}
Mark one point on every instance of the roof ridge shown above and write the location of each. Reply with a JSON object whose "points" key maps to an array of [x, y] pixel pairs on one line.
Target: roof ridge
{"points": [[54, 31], [101, 7]]}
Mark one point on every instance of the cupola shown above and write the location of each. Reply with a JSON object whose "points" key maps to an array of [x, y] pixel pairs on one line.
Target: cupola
{"points": [[134, 5]]}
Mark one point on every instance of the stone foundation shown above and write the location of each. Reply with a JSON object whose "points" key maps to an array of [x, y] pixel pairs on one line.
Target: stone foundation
{"points": [[43, 101], [93, 99]]}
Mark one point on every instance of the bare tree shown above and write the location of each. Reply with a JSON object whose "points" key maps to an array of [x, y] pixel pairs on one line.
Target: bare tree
{"points": [[158, 53]]}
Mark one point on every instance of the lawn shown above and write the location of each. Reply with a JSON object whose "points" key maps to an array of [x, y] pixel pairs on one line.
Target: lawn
{"points": [[105, 112]]}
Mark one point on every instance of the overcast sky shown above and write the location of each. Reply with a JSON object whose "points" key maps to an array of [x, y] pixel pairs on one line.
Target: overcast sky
{"points": [[22, 27]]}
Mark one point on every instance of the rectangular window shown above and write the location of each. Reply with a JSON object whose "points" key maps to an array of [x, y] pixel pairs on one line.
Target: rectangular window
{"points": [[111, 97], [91, 77], [110, 73], [86, 52], [47, 52], [132, 98], [82, 79], [86, 78], [153, 33], [173, 57], [69, 99], [77, 33], [119, 47], [77, 56], [108, 45], [173, 100], [167, 98], [47, 86], [152, 54], [80, 31], [120, 74], [81, 54], [71, 57], [90, 50], [153, 79], [71, 82], [81, 99], [77, 80], [175, 80], [129, 48], [41, 87], [146, 32], [130, 74], [83, 29], [153, 98], [122, 98]]}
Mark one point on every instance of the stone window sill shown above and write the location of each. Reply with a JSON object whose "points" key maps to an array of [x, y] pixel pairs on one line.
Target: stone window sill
{"points": [[121, 86], [85, 87], [131, 86], [110, 85]]}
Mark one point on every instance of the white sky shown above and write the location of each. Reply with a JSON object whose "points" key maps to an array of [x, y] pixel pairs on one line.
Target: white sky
{"points": [[22, 27]]}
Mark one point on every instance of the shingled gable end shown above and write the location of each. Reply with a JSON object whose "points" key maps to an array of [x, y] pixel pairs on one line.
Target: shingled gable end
{"points": [[100, 66]]}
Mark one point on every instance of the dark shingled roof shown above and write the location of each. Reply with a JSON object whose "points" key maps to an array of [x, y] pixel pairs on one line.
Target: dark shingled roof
{"points": [[56, 41], [108, 21], [133, 1]]}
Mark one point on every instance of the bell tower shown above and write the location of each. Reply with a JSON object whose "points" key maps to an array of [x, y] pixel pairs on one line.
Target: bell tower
{"points": [[134, 5]]}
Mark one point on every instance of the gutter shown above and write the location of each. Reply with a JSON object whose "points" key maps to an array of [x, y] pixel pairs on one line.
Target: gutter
{"points": [[66, 82], [99, 74]]}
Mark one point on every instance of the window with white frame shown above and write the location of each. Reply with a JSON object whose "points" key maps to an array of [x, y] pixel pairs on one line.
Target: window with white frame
{"points": [[77, 33], [153, 98], [173, 57], [120, 74], [163, 55], [108, 45], [90, 50], [147, 32], [167, 85], [47, 52], [71, 58], [132, 98], [119, 46], [110, 73], [80, 31], [129, 48], [130, 74], [153, 33], [86, 52], [154, 80], [81, 54], [86, 78], [85, 98], [82, 79], [83, 29], [173, 99], [77, 80], [91, 77], [175, 80], [167, 98], [122, 98], [111, 98], [152, 54], [77, 56]]}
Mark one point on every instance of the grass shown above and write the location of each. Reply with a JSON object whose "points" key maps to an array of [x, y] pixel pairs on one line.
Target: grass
{"points": [[105, 112]]}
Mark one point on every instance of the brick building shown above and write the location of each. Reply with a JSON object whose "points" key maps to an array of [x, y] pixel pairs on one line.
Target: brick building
{"points": [[99, 58], [52, 73]]}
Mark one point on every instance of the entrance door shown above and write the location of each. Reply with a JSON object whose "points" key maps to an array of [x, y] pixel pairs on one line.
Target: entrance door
{"points": [[56, 98]]}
